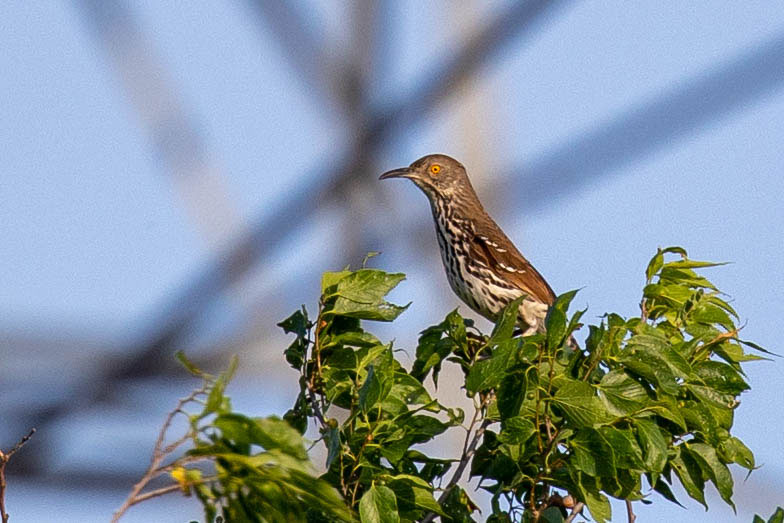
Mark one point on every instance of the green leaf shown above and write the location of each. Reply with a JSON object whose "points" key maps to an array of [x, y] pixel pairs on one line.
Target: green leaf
{"points": [[620, 394], [360, 294], [652, 367], [215, 397], [488, 373], [330, 279], [777, 517], [592, 454], [716, 470], [689, 472], [189, 366], [516, 430], [504, 327], [599, 506], [653, 444], [656, 347], [510, 394], [270, 433], [556, 319], [669, 410], [416, 493], [654, 265], [332, 440], [624, 445], [721, 377], [664, 489], [378, 505], [370, 391], [579, 405], [551, 515], [733, 450]]}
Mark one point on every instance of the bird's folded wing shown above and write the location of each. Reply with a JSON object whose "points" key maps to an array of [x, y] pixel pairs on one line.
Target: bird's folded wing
{"points": [[506, 261]]}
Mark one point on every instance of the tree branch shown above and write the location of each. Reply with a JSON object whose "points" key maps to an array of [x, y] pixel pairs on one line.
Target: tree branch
{"points": [[159, 454], [5, 457], [469, 449]]}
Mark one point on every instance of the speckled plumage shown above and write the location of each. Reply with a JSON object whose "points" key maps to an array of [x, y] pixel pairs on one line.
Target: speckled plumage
{"points": [[483, 266]]}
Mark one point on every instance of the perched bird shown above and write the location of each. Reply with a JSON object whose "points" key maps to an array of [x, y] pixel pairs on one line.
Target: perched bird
{"points": [[483, 266]]}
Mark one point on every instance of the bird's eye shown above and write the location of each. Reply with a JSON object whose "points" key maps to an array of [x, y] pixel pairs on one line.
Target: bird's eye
{"points": [[435, 168]]}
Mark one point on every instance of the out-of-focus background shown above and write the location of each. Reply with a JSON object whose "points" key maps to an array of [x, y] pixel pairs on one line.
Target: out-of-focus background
{"points": [[177, 175]]}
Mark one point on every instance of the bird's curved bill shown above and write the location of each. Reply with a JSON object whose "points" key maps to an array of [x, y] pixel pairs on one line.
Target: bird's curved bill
{"points": [[403, 172]]}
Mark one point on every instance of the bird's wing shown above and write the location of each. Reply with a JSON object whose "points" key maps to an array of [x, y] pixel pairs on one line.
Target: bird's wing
{"points": [[495, 250]]}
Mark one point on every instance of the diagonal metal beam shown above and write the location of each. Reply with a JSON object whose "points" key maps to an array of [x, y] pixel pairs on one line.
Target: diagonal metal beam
{"points": [[684, 109]]}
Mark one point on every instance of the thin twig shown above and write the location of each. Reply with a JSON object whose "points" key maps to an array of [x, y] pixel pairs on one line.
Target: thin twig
{"points": [[5, 457], [575, 512], [469, 449], [629, 512], [168, 489], [159, 454]]}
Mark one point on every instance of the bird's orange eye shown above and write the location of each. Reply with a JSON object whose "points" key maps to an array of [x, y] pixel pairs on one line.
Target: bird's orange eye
{"points": [[435, 168]]}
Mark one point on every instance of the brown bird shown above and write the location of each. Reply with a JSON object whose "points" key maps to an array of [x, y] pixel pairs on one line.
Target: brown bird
{"points": [[483, 266]]}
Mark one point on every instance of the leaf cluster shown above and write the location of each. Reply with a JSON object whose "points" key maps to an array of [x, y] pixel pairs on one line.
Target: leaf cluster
{"points": [[371, 411], [644, 402], [650, 399]]}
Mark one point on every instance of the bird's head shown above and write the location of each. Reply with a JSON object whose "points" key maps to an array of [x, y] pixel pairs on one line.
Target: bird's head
{"points": [[436, 174]]}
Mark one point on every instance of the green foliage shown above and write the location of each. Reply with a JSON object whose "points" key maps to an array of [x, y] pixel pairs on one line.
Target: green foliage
{"points": [[777, 517], [649, 400]]}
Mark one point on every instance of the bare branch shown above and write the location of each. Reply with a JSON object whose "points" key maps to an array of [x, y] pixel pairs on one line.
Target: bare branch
{"points": [[469, 449], [5, 457], [630, 517], [159, 454]]}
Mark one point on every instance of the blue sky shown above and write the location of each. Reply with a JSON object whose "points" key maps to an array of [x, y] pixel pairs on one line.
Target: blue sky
{"points": [[96, 233]]}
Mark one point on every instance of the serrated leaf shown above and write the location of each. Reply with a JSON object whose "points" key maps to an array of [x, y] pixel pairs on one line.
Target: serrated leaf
{"points": [[330, 279], [659, 348], [504, 327], [378, 505], [621, 394], [652, 368], [689, 473], [488, 373], [592, 454], [580, 406], [777, 517], [556, 320], [713, 468], [360, 294], [624, 445], [721, 377]]}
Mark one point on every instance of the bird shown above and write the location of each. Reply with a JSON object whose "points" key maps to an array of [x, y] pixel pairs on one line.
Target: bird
{"points": [[484, 268]]}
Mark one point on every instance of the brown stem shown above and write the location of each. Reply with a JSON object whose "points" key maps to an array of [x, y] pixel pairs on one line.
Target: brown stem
{"points": [[575, 512], [629, 512], [5, 457], [159, 454], [469, 449]]}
